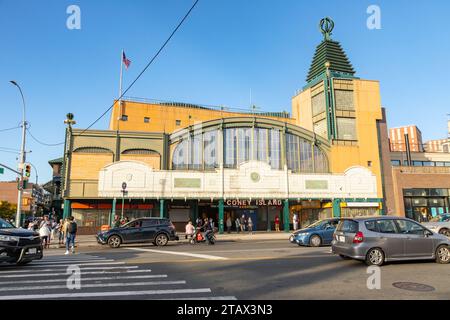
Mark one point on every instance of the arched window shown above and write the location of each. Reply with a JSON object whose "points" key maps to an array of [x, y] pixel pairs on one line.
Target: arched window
{"points": [[92, 150], [140, 151]]}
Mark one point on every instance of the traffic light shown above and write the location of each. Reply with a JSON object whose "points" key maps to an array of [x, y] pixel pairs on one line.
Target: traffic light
{"points": [[27, 171]]}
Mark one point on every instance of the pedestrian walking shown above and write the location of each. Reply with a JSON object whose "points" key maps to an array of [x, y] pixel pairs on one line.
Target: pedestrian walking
{"points": [[277, 224], [250, 225], [229, 224], [295, 221], [242, 223], [116, 221], [60, 230], [189, 230], [71, 233], [44, 233], [237, 224]]}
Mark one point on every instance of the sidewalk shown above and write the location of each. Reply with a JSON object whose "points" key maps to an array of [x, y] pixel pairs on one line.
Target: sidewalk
{"points": [[84, 241]]}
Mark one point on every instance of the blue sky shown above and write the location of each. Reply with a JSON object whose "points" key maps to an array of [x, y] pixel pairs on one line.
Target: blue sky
{"points": [[226, 49]]}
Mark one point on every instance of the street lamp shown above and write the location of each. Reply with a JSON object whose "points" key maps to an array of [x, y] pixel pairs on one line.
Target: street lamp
{"points": [[22, 158], [124, 191]]}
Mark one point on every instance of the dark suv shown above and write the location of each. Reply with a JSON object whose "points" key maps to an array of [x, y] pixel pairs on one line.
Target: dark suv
{"points": [[156, 230], [18, 245]]}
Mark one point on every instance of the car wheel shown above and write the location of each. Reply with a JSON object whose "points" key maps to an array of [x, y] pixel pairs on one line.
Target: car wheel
{"points": [[161, 240], [344, 257], [445, 232], [114, 241], [443, 254], [315, 241], [375, 257]]}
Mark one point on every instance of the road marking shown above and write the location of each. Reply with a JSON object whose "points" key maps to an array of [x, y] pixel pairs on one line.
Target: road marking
{"points": [[152, 276], [103, 294], [78, 264], [65, 274], [71, 260], [188, 254], [97, 285], [82, 269]]}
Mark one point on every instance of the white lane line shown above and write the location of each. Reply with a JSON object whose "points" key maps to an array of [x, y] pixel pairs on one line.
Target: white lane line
{"points": [[103, 294], [82, 269], [78, 264], [34, 263], [44, 259], [204, 298], [97, 285], [188, 254], [151, 276], [66, 274]]}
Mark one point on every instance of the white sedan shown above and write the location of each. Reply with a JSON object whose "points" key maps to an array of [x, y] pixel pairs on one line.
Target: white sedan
{"points": [[442, 227]]}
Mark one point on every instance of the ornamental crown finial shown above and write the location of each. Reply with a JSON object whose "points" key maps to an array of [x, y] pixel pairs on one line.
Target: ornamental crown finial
{"points": [[326, 27]]}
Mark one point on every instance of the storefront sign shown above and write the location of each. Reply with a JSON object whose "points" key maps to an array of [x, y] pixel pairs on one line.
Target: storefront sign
{"points": [[316, 184], [362, 204], [187, 183], [258, 202]]}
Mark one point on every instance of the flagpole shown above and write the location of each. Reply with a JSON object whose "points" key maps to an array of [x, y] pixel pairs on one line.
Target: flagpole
{"points": [[121, 74]]}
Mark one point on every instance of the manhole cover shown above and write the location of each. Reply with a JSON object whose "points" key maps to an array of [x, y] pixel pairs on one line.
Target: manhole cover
{"points": [[411, 286]]}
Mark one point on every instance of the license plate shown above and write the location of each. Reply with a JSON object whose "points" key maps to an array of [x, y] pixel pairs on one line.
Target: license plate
{"points": [[32, 251], [341, 238]]}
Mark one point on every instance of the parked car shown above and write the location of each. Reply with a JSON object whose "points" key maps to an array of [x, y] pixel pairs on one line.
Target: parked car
{"points": [[377, 240], [317, 234], [441, 224], [159, 231], [18, 246]]}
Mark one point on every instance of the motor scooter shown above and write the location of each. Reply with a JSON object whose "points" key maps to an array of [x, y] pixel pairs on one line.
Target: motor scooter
{"points": [[198, 237]]}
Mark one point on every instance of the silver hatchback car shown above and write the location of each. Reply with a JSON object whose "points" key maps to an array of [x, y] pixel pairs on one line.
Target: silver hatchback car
{"points": [[377, 240]]}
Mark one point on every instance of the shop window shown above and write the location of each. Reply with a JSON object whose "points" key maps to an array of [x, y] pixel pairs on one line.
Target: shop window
{"points": [[396, 163], [124, 117], [146, 120], [178, 123], [417, 163], [346, 128], [428, 164]]}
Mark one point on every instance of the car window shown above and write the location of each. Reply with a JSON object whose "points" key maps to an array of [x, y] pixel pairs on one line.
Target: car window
{"points": [[5, 225], [386, 226], [409, 227], [371, 225], [350, 226], [136, 224], [150, 223]]}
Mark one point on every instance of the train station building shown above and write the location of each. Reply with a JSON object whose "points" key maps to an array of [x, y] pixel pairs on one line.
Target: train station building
{"points": [[182, 161]]}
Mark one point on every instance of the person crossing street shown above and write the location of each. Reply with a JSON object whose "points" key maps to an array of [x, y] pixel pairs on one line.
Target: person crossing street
{"points": [[71, 233]]}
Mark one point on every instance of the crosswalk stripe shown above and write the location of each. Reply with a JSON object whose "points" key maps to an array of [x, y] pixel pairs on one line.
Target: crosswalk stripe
{"points": [[104, 294], [65, 274], [97, 285], [67, 260], [151, 276], [78, 264], [82, 269], [188, 254]]}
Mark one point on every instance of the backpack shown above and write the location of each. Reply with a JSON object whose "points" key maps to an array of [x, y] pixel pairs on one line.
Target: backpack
{"points": [[72, 228]]}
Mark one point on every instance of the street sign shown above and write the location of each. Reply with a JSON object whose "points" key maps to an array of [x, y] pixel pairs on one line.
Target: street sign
{"points": [[2, 170]]}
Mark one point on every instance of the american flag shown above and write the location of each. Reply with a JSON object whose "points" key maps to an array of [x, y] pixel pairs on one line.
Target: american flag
{"points": [[125, 61]]}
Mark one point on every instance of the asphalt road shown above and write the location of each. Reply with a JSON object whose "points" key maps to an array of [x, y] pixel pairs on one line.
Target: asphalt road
{"points": [[228, 270]]}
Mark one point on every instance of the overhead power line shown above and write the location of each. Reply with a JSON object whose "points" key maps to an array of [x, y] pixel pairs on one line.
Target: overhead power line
{"points": [[147, 66], [3, 130], [43, 143]]}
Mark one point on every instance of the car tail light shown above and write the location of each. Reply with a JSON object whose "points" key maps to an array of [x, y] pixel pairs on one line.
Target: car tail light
{"points": [[359, 237]]}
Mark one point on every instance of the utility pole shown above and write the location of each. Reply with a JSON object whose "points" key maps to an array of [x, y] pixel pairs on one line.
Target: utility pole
{"points": [[22, 159]]}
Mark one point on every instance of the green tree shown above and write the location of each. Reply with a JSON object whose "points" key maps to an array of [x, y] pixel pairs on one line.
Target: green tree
{"points": [[7, 210]]}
